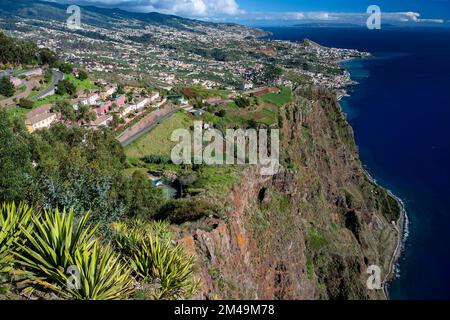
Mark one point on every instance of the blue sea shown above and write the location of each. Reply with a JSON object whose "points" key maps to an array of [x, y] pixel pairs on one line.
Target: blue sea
{"points": [[400, 111]]}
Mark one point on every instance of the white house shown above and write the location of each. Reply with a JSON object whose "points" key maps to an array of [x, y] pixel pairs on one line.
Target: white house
{"points": [[153, 97], [103, 120], [91, 100], [40, 121]]}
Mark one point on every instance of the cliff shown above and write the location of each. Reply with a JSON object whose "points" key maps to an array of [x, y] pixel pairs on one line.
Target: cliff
{"points": [[309, 232]]}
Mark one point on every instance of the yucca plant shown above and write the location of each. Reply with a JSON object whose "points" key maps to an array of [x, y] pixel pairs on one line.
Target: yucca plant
{"points": [[155, 258], [56, 242], [12, 220], [51, 245], [102, 274], [160, 260]]}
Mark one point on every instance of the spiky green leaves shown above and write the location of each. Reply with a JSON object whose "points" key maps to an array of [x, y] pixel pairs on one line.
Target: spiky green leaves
{"points": [[14, 220], [56, 242]]}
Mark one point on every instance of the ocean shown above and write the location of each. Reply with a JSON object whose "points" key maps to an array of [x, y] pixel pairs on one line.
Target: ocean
{"points": [[400, 112]]}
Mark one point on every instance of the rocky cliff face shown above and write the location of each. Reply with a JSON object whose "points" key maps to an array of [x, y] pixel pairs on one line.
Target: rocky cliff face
{"points": [[311, 231]]}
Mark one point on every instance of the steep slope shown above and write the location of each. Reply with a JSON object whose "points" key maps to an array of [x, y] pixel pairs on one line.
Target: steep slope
{"points": [[309, 232]]}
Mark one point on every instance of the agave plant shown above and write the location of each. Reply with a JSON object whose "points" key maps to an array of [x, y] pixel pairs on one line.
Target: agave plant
{"points": [[102, 274], [160, 260], [12, 220], [156, 259], [56, 244], [51, 245]]}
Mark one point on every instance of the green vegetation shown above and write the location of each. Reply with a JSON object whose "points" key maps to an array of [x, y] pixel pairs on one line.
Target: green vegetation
{"points": [[156, 260], [80, 83], [279, 99], [19, 52], [13, 222], [158, 140], [26, 104], [6, 87], [66, 87]]}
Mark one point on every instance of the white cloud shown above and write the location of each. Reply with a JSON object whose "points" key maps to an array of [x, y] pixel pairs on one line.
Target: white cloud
{"points": [[337, 17], [190, 8]]}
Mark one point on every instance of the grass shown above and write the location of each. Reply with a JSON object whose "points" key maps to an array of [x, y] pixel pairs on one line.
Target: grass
{"points": [[158, 140], [279, 99], [17, 112], [80, 84]]}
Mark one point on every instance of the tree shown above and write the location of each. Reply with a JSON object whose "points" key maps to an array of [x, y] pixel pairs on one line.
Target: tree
{"points": [[26, 104], [66, 68], [46, 56], [84, 114], [48, 76], [65, 109], [6, 87], [221, 113], [146, 199], [82, 75], [116, 121], [66, 87], [16, 172], [120, 89], [242, 102]]}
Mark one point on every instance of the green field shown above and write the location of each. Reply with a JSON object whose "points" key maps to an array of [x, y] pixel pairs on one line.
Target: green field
{"points": [[279, 99], [158, 140], [81, 85]]}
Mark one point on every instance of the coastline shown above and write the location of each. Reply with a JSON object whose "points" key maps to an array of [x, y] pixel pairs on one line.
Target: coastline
{"points": [[401, 225]]}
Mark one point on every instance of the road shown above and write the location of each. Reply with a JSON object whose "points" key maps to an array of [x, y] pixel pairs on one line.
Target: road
{"points": [[128, 137], [8, 103], [57, 76]]}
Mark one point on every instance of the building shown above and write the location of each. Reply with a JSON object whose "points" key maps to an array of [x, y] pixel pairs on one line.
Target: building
{"points": [[40, 121], [46, 108], [120, 101], [154, 96], [103, 120], [141, 103], [91, 99], [103, 108], [109, 90]]}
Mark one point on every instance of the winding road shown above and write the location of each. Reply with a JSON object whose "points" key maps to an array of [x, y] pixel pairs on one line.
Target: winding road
{"points": [[10, 102], [57, 76]]}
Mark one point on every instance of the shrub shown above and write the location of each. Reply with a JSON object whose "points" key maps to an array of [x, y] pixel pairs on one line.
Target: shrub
{"points": [[56, 242], [156, 259], [157, 159], [12, 220], [51, 246], [183, 210], [26, 104], [103, 276]]}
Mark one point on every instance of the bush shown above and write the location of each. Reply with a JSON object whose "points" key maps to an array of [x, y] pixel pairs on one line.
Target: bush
{"points": [[6, 87], [82, 75], [13, 220], [221, 113], [26, 104], [51, 245], [157, 159], [66, 68], [103, 276], [183, 210], [242, 102], [56, 242], [156, 259]]}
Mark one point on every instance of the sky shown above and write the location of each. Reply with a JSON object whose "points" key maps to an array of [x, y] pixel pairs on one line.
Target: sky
{"points": [[289, 11]]}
